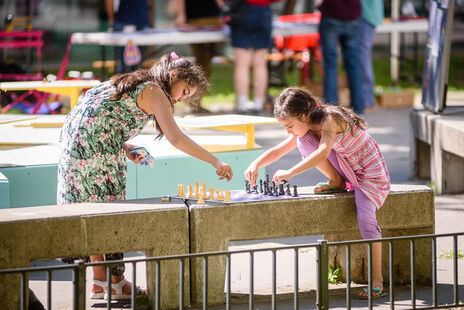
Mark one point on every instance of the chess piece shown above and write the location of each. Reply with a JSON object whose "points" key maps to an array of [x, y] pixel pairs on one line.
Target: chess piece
{"points": [[181, 192], [227, 198], [204, 191], [281, 189], [260, 185], [190, 191], [197, 189], [255, 189], [295, 192], [218, 195], [211, 193], [247, 187], [200, 196], [288, 192], [265, 188]]}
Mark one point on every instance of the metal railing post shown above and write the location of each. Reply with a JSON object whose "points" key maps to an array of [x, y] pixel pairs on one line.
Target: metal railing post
{"points": [[323, 275], [348, 277], [79, 285]]}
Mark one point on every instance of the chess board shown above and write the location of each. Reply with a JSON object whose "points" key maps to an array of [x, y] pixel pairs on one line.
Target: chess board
{"points": [[242, 196]]}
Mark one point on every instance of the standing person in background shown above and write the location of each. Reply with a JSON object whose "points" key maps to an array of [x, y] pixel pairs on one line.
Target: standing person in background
{"points": [[255, 34], [123, 13], [371, 16], [200, 13], [340, 24]]}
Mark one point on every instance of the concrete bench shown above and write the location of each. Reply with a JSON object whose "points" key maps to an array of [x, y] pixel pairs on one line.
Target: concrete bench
{"points": [[437, 149], [408, 210], [82, 229]]}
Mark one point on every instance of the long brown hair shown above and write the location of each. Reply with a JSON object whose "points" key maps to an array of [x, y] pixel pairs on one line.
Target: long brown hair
{"points": [[295, 102], [160, 74]]}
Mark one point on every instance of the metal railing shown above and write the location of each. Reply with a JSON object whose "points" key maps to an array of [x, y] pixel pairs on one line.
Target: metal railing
{"points": [[322, 295]]}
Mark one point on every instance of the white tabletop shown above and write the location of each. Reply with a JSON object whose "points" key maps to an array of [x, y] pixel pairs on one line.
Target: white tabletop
{"points": [[174, 36], [41, 84]]}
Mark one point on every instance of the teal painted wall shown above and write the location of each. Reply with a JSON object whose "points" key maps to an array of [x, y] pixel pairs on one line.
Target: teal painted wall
{"points": [[28, 186], [31, 185], [4, 192], [168, 172]]}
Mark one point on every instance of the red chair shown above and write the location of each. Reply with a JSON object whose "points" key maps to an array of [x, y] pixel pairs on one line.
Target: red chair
{"points": [[21, 40], [40, 98], [302, 43]]}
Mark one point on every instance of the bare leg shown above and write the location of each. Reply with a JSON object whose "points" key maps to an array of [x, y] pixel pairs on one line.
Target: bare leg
{"points": [[377, 279], [260, 75], [242, 71], [335, 179], [99, 273]]}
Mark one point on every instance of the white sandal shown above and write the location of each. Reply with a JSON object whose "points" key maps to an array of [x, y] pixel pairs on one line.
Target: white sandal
{"points": [[99, 295]]}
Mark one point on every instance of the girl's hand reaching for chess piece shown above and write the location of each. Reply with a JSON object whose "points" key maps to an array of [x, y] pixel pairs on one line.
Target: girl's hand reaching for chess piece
{"points": [[224, 171], [251, 174], [281, 176]]}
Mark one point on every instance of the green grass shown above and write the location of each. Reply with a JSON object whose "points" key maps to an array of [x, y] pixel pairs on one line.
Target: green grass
{"points": [[222, 90], [222, 87]]}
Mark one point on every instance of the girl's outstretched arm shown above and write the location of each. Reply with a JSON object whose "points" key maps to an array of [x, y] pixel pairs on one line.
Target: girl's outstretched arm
{"points": [[328, 134], [153, 100], [268, 157]]}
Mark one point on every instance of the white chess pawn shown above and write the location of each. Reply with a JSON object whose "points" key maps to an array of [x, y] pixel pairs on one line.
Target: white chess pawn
{"points": [[211, 193], [200, 197]]}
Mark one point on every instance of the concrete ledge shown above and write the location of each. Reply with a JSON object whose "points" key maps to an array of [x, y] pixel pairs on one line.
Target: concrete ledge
{"points": [[437, 151], [94, 228], [408, 210]]}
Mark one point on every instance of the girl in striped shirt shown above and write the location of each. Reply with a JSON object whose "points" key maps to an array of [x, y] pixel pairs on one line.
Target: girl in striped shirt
{"points": [[334, 140]]}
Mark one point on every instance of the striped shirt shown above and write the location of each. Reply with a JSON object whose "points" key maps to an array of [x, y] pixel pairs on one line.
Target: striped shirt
{"points": [[362, 162]]}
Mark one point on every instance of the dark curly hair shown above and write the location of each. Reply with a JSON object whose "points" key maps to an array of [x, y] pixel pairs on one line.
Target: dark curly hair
{"points": [[298, 103], [160, 74]]}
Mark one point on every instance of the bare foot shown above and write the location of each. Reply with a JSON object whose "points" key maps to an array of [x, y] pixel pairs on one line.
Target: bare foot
{"points": [[338, 184], [127, 288], [375, 293]]}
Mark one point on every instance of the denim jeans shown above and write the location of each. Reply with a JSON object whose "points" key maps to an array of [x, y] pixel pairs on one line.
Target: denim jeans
{"points": [[366, 37], [332, 32]]}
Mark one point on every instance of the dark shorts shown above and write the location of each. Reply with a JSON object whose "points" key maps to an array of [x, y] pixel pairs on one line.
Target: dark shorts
{"points": [[256, 31]]}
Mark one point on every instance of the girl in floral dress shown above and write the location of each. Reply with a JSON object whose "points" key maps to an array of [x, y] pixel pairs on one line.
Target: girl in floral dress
{"points": [[335, 141], [92, 164]]}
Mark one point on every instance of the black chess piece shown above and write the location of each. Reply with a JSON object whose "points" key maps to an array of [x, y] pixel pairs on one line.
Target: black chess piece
{"points": [[288, 192], [247, 187], [260, 185], [274, 188], [295, 191], [255, 189], [267, 179], [281, 189]]}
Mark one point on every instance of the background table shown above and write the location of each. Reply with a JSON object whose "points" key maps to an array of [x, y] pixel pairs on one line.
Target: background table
{"points": [[173, 36], [70, 88]]}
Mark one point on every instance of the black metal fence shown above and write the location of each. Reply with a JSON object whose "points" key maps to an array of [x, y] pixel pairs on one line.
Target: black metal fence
{"points": [[322, 295]]}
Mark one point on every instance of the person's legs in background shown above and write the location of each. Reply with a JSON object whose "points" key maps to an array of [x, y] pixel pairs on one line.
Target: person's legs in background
{"points": [[260, 78], [350, 50], [366, 37], [328, 29], [242, 61]]}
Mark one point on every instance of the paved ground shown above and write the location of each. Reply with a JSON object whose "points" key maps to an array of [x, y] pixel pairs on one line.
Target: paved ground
{"points": [[390, 128]]}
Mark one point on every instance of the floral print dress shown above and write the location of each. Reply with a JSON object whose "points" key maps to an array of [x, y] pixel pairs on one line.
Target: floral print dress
{"points": [[92, 163]]}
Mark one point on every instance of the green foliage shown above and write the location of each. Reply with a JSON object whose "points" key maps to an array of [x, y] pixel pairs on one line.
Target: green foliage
{"points": [[450, 254], [433, 186], [334, 274]]}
